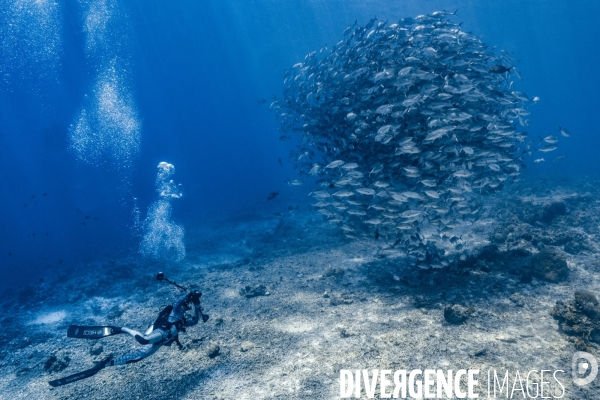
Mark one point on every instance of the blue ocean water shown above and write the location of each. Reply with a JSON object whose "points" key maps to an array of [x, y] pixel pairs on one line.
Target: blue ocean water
{"points": [[94, 94]]}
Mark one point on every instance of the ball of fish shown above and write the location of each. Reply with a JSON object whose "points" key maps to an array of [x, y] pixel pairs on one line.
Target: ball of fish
{"points": [[408, 125]]}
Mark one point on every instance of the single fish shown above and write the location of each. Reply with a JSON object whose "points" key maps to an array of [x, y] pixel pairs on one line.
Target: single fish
{"points": [[550, 139], [381, 184], [335, 164], [564, 131], [349, 166], [432, 194], [560, 158], [357, 212], [411, 195], [366, 191], [343, 193]]}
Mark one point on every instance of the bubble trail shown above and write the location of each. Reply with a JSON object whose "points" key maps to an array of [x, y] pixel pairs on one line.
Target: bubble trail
{"points": [[163, 238]]}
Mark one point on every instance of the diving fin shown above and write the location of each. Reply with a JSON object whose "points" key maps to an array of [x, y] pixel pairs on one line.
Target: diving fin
{"points": [[81, 375], [92, 332]]}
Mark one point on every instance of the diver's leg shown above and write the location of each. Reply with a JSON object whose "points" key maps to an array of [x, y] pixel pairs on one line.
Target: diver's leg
{"points": [[132, 332], [142, 353], [154, 337]]}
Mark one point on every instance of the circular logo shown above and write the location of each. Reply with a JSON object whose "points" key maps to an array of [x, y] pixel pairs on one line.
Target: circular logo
{"points": [[584, 372]]}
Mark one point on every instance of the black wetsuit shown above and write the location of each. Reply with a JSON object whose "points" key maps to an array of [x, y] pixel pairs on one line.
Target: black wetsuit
{"points": [[164, 332]]}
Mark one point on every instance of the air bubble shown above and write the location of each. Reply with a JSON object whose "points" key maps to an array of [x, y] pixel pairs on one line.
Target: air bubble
{"points": [[30, 39], [108, 125], [163, 238]]}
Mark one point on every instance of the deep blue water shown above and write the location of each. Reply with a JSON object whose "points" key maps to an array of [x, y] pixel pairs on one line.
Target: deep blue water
{"points": [[190, 73]]}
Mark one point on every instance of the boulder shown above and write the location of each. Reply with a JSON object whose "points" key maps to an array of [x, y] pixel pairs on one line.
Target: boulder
{"points": [[213, 350], [340, 299], [254, 291], [552, 211], [550, 264], [579, 319], [457, 314], [587, 302], [96, 349], [247, 345]]}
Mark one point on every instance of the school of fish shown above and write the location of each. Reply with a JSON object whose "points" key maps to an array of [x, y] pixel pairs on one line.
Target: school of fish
{"points": [[405, 126]]}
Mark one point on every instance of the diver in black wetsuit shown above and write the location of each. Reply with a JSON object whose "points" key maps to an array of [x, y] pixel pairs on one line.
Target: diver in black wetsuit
{"points": [[164, 331]]}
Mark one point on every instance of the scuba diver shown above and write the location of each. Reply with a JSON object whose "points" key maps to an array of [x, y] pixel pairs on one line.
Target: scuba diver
{"points": [[163, 332]]}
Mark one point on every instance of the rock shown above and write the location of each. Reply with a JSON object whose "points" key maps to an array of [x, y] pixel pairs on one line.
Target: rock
{"points": [[96, 349], [552, 211], [550, 264], [579, 318], [254, 291], [50, 362], [245, 346], [346, 333], [334, 272], [457, 314], [115, 313], [54, 364], [517, 299], [213, 350], [577, 246], [340, 299], [587, 302], [560, 237], [478, 352]]}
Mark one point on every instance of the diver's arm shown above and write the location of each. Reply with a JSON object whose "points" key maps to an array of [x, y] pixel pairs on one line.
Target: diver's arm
{"points": [[180, 302], [178, 309], [197, 314]]}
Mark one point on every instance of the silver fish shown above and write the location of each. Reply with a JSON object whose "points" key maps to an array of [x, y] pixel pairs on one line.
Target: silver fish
{"points": [[550, 139], [366, 191], [343, 193], [335, 164]]}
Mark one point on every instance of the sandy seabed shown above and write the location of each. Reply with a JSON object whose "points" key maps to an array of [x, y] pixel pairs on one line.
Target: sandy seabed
{"points": [[292, 302]]}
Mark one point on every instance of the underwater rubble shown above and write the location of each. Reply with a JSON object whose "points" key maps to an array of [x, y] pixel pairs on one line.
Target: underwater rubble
{"points": [[405, 126], [580, 319]]}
